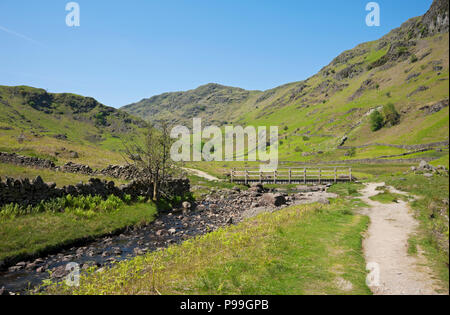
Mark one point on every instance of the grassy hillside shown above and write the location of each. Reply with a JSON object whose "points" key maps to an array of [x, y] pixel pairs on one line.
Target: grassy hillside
{"points": [[54, 126], [216, 104], [408, 68]]}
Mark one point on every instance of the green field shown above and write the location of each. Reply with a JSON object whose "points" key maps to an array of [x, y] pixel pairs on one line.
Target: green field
{"points": [[34, 234]]}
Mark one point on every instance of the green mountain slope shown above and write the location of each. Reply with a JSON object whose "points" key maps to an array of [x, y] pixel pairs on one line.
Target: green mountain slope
{"points": [[35, 122], [408, 68], [216, 104]]}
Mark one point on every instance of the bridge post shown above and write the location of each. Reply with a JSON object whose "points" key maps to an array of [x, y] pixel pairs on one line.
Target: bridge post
{"points": [[335, 175], [290, 176], [246, 177], [350, 175], [304, 175], [232, 175], [274, 177], [320, 176], [260, 176]]}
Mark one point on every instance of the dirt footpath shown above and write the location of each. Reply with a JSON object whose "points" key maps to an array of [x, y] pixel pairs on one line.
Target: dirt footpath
{"points": [[201, 174], [385, 249]]}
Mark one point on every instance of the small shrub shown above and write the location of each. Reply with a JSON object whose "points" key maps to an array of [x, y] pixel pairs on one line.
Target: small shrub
{"points": [[376, 121], [351, 152], [391, 116], [402, 50], [127, 199], [142, 199], [100, 119], [414, 58]]}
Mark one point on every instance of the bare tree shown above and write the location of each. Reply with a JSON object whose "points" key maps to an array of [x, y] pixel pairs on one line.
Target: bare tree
{"points": [[151, 156]]}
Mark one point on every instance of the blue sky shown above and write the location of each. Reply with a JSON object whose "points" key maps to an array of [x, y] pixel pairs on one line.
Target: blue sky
{"points": [[124, 51]]}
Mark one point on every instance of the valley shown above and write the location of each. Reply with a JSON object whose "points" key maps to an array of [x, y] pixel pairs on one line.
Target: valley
{"points": [[89, 184]]}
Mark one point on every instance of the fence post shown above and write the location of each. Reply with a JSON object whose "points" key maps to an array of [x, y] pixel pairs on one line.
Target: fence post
{"points": [[335, 175], [274, 177], [320, 176], [351, 176], [232, 175], [246, 177], [304, 175], [290, 176], [260, 176]]}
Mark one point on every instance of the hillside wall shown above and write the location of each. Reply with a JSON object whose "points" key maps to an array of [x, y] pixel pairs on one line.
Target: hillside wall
{"points": [[31, 192], [400, 146]]}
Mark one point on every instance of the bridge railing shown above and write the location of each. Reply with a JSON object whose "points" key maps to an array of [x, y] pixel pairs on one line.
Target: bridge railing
{"points": [[292, 175]]}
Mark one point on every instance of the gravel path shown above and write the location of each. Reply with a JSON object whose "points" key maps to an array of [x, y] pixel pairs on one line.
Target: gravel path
{"points": [[385, 249], [201, 174]]}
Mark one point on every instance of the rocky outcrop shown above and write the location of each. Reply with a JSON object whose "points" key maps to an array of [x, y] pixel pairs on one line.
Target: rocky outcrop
{"points": [[349, 72], [420, 89], [436, 20], [435, 108], [428, 170], [270, 199], [368, 84]]}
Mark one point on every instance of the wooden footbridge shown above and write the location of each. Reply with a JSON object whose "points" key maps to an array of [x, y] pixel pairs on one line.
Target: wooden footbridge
{"points": [[291, 175]]}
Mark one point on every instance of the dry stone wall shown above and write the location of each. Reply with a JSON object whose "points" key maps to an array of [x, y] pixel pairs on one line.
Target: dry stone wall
{"points": [[126, 172], [30, 192], [13, 158], [400, 146]]}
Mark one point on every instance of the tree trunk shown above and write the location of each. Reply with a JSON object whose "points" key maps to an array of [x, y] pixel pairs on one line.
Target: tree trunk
{"points": [[155, 190]]}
